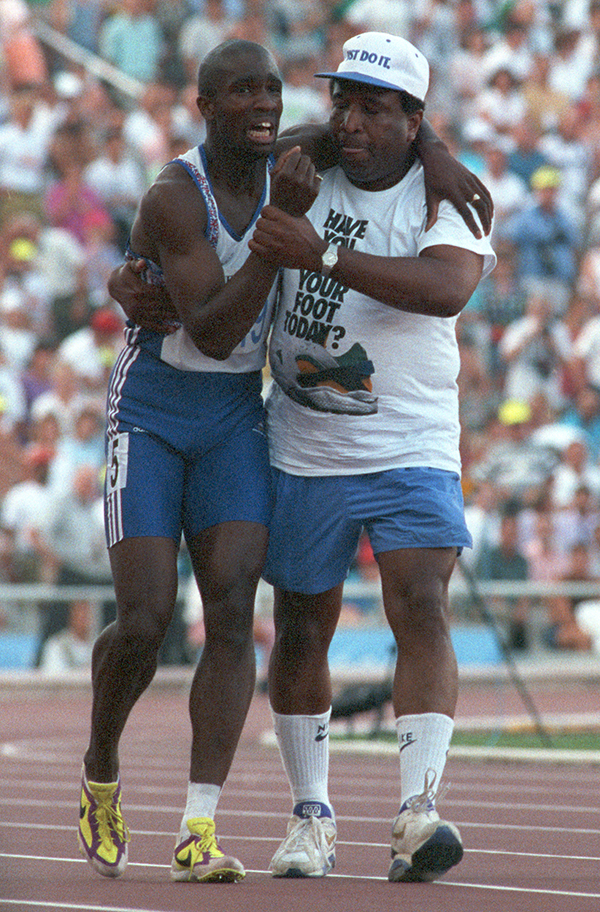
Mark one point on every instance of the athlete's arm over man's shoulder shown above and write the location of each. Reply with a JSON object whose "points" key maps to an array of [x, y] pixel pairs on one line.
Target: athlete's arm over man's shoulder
{"points": [[445, 177]]}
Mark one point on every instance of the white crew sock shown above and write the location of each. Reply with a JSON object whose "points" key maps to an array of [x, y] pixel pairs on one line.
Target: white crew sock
{"points": [[304, 747], [424, 741], [202, 800]]}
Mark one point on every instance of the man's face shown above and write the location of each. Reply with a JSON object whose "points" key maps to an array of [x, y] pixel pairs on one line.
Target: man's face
{"points": [[245, 110], [372, 132]]}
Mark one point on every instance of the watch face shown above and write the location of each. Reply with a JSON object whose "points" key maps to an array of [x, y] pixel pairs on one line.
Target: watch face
{"points": [[330, 257]]}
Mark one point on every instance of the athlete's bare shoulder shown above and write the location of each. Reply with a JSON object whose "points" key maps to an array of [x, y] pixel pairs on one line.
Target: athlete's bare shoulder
{"points": [[170, 210]]}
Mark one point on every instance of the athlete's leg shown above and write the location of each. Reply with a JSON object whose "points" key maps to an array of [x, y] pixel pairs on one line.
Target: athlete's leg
{"points": [[125, 654], [227, 561], [123, 664]]}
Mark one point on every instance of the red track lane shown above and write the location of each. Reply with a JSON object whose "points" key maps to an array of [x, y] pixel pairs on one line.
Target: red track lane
{"points": [[531, 832]]}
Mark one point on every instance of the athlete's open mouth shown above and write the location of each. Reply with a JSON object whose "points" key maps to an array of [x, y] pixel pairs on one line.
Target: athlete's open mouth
{"points": [[262, 132]]}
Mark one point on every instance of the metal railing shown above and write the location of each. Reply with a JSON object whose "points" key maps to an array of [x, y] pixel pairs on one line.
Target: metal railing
{"points": [[94, 64]]}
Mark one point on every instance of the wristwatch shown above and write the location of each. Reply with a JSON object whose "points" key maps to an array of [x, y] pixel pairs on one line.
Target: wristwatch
{"points": [[329, 259]]}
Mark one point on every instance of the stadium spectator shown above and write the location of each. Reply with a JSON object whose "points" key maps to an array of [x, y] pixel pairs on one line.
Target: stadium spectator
{"points": [[92, 350], [20, 50], [545, 105], [524, 156], [62, 400], [83, 447], [566, 150], [147, 127], [117, 177], [132, 40], [25, 138], [564, 631], [36, 377], [575, 471], [577, 522], [79, 20], [501, 103], [509, 192], [49, 265], [202, 31], [71, 648], [73, 545], [569, 69], [70, 201], [583, 414], [24, 513], [512, 52], [505, 561], [546, 240], [534, 349]]}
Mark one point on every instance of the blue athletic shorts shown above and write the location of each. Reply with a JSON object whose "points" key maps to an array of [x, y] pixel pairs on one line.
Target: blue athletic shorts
{"points": [[317, 521], [185, 450]]}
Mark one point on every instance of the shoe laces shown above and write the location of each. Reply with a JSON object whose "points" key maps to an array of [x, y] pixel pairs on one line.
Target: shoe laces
{"points": [[110, 820], [424, 802], [297, 835], [204, 838]]}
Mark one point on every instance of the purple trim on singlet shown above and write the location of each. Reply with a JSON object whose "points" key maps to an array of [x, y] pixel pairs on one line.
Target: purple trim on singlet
{"points": [[203, 184]]}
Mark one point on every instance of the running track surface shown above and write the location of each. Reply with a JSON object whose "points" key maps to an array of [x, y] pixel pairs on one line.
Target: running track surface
{"points": [[531, 832]]}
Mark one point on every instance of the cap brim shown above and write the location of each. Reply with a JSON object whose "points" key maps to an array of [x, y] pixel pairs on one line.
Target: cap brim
{"points": [[360, 77]]}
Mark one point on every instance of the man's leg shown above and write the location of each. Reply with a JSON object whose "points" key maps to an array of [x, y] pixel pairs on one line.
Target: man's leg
{"points": [[425, 690], [300, 694], [123, 664], [227, 561]]}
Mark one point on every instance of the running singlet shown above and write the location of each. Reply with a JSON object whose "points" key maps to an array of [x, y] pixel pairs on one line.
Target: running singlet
{"points": [[177, 349]]}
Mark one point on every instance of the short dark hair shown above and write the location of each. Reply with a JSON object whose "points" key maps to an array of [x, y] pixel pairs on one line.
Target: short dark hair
{"points": [[213, 68]]}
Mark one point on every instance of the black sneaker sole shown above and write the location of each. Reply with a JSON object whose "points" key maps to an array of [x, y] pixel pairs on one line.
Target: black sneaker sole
{"points": [[437, 855]]}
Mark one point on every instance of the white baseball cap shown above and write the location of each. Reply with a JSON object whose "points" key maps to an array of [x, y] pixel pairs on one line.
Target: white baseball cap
{"points": [[380, 59]]}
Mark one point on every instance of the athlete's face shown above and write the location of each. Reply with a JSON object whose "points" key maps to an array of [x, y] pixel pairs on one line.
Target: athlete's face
{"points": [[245, 110], [372, 132]]}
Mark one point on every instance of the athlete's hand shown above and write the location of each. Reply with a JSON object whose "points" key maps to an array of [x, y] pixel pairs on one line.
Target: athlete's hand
{"points": [[447, 178], [147, 305], [294, 182]]}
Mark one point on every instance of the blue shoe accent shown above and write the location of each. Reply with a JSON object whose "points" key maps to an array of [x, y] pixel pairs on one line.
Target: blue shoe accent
{"points": [[312, 809], [430, 806]]}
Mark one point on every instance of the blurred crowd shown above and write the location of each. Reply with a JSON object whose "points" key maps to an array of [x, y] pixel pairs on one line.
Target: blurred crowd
{"points": [[514, 93]]}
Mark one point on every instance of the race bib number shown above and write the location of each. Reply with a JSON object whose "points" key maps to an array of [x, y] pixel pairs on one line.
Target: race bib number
{"points": [[116, 468]]}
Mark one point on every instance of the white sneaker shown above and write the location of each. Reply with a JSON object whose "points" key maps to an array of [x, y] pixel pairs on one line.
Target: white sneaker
{"points": [[423, 846], [308, 850]]}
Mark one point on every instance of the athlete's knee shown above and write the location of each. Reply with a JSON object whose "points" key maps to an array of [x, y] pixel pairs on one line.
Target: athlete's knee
{"points": [[143, 627]]}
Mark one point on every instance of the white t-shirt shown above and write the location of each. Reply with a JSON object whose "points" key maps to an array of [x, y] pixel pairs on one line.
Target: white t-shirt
{"points": [[386, 393]]}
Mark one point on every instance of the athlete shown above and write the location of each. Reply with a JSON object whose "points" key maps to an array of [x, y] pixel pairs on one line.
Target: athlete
{"points": [[363, 430], [187, 452], [145, 308]]}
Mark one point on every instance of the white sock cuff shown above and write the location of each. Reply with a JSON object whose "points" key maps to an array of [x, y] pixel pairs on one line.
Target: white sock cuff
{"points": [[304, 747], [423, 743], [202, 800]]}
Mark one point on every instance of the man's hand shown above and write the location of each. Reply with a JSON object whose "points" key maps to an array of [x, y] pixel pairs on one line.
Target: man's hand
{"points": [[447, 178], [287, 241], [147, 305], [294, 182]]}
